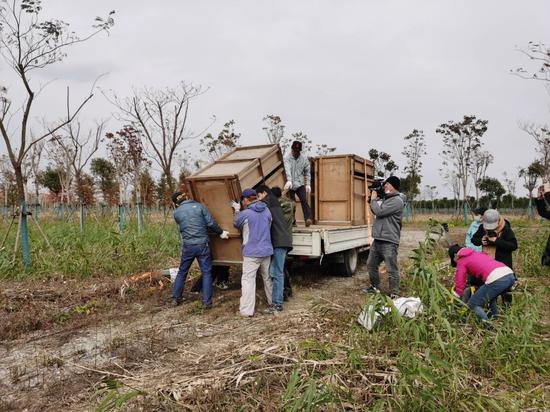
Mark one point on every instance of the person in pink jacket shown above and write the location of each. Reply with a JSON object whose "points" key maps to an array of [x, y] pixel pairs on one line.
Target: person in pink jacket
{"points": [[496, 276]]}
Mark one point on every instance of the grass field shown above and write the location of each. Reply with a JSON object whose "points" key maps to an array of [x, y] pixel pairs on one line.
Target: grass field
{"points": [[102, 250], [314, 356]]}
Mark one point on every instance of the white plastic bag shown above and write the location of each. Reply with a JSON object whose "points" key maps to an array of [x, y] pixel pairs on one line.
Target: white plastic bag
{"points": [[407, 307], [171, 273]]}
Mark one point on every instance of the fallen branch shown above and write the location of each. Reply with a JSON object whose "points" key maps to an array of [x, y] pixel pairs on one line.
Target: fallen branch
{"points": [[76, 365]]}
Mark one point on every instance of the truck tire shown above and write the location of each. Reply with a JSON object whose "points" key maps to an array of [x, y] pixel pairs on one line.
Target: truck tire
{"points": [[351, 258]]}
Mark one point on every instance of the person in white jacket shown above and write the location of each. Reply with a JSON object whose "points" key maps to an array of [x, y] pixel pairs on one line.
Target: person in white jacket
{"points": [[298, 174]]}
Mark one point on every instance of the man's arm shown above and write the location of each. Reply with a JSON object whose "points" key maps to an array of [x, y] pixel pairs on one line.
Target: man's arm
{"points": [[239, 219], [508, 241], [210, 222], [288, 168], [543, 208], [460, 278], [471, 232], [476, 238], [387, 207]]}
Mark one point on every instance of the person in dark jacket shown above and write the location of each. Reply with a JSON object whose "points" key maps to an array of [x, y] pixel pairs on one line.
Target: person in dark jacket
{"points": [[194, 220], [498, 240], [386, 232], [281, 240], [543, 207], [288, 206]]}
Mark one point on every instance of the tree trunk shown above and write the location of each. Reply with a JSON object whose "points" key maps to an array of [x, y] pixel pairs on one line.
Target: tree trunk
{"points": [[139, 205], [24, 229]]}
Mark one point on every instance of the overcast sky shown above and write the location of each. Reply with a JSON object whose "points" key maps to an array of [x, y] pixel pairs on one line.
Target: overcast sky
{"points": [[351, 74]]}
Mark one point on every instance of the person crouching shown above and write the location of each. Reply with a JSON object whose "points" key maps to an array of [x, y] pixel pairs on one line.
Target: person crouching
{"points": [[496, 276]]}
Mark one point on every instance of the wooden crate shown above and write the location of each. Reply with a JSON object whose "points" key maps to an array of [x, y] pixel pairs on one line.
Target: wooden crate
{"points": [[341, 189], [223, 181]]}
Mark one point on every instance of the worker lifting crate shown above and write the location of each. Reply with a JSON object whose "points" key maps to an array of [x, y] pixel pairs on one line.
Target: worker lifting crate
{"points": [[223, 181]]}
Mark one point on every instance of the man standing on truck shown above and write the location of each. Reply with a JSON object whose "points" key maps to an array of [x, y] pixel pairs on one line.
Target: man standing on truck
{"points": [[281, 240], [298, 174], [386, 232], [254, 222], [194, 220]]}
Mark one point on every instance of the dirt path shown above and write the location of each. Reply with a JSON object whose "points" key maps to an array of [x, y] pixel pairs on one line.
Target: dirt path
{"points": [[172, 351]]}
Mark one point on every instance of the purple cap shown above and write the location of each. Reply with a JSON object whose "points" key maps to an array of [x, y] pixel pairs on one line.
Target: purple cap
{"points": [[249, 193]]}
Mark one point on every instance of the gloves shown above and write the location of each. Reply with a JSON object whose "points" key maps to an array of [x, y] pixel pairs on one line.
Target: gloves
{"points": [[288, 185], [455, 295], [308, 189], [225, 234], [236, 206]]}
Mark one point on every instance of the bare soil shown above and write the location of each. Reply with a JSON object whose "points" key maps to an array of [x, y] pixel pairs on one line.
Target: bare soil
{"points": [[60, 340]]}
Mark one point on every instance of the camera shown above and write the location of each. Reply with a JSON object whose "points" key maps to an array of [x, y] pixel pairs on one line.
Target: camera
{"points": [[378, 187], [491, 233]]}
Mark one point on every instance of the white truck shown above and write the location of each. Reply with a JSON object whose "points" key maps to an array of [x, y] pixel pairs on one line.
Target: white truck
{"points": [[340, 244]]}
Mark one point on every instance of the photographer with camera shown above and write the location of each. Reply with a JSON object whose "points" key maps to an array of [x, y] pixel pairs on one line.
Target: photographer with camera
{"points": [[543, 207], [386, 232], [498, 240]]}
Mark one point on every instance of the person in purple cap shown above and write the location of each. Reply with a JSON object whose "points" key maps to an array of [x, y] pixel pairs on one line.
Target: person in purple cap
{"points": [[254, 222]]}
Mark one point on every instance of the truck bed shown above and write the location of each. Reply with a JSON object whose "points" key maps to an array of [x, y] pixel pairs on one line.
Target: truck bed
{"points": [[318, 240]]}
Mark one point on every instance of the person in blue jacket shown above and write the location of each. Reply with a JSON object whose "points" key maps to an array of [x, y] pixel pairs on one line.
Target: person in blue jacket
{"points": [[474, 226], [194, 220]]}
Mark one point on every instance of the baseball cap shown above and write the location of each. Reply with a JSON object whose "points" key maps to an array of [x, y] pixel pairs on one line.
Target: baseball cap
{"points": [[490, 219], [249, 193]]}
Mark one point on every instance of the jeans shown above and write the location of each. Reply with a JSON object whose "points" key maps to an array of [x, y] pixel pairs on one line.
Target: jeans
{"points": [[302, 195], [204, 257], [379, 252], [487, 295], [276, 271]]}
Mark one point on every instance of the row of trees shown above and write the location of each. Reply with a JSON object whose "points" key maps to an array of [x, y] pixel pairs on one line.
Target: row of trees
{"points": [[155, 126]]}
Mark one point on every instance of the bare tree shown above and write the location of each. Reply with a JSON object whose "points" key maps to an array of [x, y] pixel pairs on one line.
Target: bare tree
{"points": [[61, 155], [28, 44], [530, 175], [414, 150], [383, 163], [461, 140], [275, 129], [431, 193], [79, 147], [226, 141], [541, 135], [324, 149], [540, 54], [510, 182], [161, 119], [35, 156], [127, 148], [453, 181], [481, 159]]}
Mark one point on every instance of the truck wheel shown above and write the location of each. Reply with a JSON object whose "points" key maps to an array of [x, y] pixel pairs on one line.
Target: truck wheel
{"points": [[350, 262]]}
